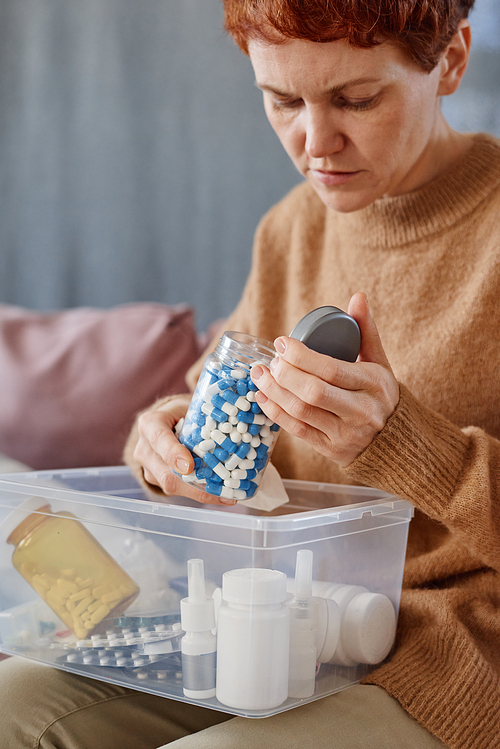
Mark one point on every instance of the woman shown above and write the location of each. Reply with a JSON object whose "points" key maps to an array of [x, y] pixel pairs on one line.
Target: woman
{"points": [[399, 208]]}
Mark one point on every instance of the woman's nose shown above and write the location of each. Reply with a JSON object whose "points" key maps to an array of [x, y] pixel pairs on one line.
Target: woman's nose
{"points": [[322, 135]]}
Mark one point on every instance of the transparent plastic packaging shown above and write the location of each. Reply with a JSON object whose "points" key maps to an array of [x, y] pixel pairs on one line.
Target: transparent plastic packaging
{"points": [[70, 570], [225, 430]]}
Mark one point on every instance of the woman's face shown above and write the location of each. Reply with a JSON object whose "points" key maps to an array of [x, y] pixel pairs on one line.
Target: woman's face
{"points": [[357, 123]]}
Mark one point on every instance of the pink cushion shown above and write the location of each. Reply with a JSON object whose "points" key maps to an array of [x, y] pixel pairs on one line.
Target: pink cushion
{"points": [[71, 382]]}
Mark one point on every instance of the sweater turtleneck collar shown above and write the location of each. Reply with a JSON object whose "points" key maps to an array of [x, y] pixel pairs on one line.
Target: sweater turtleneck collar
{"points": [[392, 222]]}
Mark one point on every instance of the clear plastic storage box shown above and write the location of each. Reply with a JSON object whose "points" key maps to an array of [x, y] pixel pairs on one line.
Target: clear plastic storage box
{"points": [[247, 612]]}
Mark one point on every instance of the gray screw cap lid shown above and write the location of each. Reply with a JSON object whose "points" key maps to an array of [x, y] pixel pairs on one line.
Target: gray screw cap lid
{"points": [[330, 331]]}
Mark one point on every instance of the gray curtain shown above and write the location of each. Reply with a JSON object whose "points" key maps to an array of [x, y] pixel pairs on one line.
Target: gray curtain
{"points": [[135, 158]]}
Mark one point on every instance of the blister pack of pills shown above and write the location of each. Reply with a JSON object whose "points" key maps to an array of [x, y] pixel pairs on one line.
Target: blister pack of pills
{"points": [[169, 669], [109, 657], [129, 643]]}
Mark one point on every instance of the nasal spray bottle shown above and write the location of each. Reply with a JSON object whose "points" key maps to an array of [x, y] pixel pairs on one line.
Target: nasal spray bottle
{"points": [[303, 629], [198, 646]]}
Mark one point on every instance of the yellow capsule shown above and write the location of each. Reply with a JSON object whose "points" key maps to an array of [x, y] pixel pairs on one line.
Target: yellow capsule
{"points": [[81, 633], [88, 583], [77, 622], [101, 590], [83, 605], [94, 606], [70, 574], [113, 597], [86, 615], [28, 569], [54, 598], [89, 625], [100, 614], [38, 589], [80, 595], [66, 586], [40, 582], [70, 605]]}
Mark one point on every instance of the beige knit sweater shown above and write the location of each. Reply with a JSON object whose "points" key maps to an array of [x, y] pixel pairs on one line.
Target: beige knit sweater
{"points": [[429, 262]]}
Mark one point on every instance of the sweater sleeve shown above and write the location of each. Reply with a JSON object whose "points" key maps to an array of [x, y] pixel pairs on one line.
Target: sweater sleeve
{"points": [[451, 474]]}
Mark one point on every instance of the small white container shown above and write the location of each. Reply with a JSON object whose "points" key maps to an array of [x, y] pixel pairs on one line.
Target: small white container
{"points": [[253, 636]]}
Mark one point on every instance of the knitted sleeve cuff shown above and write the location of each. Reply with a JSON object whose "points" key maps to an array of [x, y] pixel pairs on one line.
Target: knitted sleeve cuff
{"points": [[418, 455]]}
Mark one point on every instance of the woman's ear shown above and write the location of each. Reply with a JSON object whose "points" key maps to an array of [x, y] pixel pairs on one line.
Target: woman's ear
{"points": [[454, 60]]}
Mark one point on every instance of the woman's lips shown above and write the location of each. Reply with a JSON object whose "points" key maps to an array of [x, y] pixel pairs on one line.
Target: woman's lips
{"points": [[331, 178]]}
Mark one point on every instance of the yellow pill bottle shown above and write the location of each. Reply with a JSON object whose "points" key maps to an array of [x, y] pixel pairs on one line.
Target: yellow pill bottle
{"points": [[67, 567]]}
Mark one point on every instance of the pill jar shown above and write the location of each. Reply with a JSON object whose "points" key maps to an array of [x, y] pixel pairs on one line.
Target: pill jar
{"points": [[253, 640], [67, 567], [230, 438], [367, 625]]}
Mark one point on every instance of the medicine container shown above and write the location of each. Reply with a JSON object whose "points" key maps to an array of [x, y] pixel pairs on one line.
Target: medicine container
{"points": [[67, 567], [227, 433], [228, 607]]}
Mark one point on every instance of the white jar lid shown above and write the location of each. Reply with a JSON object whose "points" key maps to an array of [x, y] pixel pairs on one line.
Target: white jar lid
{"points": [[32, 504], [254, 586], [369, 628]]}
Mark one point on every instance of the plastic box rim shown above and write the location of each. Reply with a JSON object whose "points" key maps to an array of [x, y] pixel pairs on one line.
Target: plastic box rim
{"points": [[379, 502]]}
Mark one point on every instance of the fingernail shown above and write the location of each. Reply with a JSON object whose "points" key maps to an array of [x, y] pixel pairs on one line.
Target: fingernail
{"points": [[260, 397], [257, 372], [279, 345], [182, 465], [228, 501], [274, 363]]}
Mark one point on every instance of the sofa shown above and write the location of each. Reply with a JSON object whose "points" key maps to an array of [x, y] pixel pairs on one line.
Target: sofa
{"points": [[72, 381]]}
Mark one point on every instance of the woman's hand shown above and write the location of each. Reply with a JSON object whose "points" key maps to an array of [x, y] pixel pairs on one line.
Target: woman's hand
{"points": [[337, 407], [160, 453]]}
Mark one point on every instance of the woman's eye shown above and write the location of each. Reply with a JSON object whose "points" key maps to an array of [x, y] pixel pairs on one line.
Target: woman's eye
{"points": [[286, 103], [357, 105]]}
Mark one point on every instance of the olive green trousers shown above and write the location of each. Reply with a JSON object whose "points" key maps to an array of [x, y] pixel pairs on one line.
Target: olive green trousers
{"points": [[44, 708]]}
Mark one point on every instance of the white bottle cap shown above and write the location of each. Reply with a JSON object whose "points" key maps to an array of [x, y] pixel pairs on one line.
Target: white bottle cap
{"points": [[303, 574], [197, 611], [16, 517], [369, 628], [254, 586]]}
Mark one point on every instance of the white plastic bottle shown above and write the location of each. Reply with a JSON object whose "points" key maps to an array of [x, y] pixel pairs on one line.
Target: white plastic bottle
{"points": [[253, 636], [199, 644]]}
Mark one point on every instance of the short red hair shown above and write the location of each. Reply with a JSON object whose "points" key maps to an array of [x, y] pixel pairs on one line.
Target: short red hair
{"points": [[423, 28]]}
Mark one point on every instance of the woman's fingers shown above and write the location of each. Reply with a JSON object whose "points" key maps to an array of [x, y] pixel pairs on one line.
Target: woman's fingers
{"points": [[160, 453], [371, 344], [156, 434], [336, 406]]}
